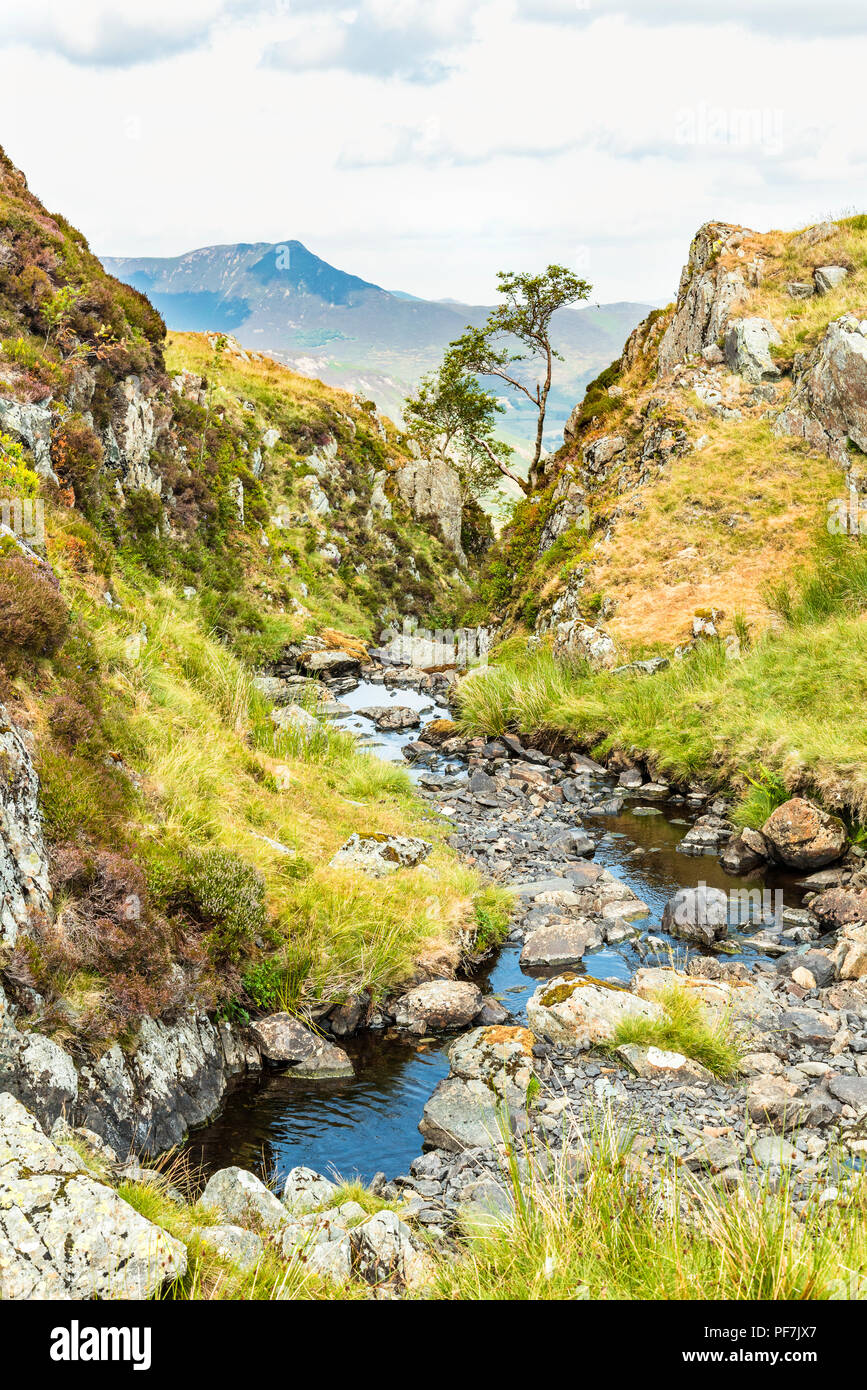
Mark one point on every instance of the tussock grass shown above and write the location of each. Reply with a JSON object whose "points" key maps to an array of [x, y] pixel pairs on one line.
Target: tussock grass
{"points": [[615, 1237], [686, 1028]]}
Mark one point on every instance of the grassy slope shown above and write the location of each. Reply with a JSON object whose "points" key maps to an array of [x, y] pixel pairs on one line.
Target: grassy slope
{"points": [[737, 525]]}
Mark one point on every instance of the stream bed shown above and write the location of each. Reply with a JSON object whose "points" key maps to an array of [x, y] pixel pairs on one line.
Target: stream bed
{"points": [[270, 1123]]}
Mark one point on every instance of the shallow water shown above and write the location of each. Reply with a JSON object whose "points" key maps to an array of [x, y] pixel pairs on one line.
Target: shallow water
{"points": [[370, 1124]]}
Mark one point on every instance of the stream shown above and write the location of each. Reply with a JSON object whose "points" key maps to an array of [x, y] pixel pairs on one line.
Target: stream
{"points": [[270, 1123]]}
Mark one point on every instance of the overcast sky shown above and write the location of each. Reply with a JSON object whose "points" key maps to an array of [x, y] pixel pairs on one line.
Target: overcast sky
{"points": [[425, 144]]}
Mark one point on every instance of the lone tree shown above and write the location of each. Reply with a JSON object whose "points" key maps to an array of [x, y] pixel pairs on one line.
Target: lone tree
{"points": [[453, 415], [524, 318]]}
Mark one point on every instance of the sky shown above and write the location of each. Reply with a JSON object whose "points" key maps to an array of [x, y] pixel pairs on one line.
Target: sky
{"points": [[427, 144]]}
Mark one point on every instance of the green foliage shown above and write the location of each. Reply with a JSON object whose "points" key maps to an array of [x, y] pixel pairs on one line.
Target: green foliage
{"points": [[217, 891], [33, 616], [685, 1028], [17, 478], [767, 792]]}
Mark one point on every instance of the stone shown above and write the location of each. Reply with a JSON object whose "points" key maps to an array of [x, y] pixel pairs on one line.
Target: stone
{"points": [[500, 1056], [776, 1102], [431, 489], [657, 1063], [37, 1072], [392, 717], [468, 1115], [814, 963], [332, 662], [385, 1251], [241, 1197], [233, 1244], [304, 1190], [828, 403], [803, 836], [697, 914], [743, 852], [561, 943], [827, 277], [579, 640], [582, 1012], [294, 719], [438, 1004], [850, 1090], [377, 854], [773, 1151], [63, 1235], [25, 887], [840, 907], [708, 291], [283, 1040], [748, 345]]}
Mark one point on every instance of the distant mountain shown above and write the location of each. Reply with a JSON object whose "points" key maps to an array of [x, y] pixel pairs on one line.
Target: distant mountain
{"points": [[282, 299]]}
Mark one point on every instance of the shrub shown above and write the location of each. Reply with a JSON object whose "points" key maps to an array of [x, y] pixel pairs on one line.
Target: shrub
{"points": [[33, 616], [77, 454], [70, 720], [217, 891]]}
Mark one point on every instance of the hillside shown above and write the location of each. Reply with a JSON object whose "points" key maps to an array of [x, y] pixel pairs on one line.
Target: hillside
{"points": [[282, 300], [692, 516], [177, 517]]}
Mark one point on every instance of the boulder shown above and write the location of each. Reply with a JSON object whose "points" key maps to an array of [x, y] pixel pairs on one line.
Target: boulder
{"points": [[697, 914], [803, 836], [385, 1251], [304, 1190], [655, 1063], [377, 854], [284, 1041], [392, 717], [748, 345], [773, 1101], [468, 1115], [743, 852], [840, 907], [828, 403], [500, 1056], [243, 1199], [296, 720], [582, 1012], [25, 888], [828, 277], [233, 1244], [438, 1004], [561, 943], [432, 490], [63, 1235], [38, 1073], [332, 662]]}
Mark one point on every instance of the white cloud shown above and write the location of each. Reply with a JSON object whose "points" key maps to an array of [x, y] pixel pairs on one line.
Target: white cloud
{"points": [[602, 145], [794, 18]]}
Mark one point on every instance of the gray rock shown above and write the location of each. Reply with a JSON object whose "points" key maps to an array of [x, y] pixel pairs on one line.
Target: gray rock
{"points": [[64, 1235], [283, 1040], [304, 1190], [697, 914], [748, 345], [38, 1073], [243, 1199], [803, 836], [561, 943], [232, 1243], [828, 277], [385, 1251], [581, 1013], [377, 854], [25, 888], [438, 1004], [828, 403]]}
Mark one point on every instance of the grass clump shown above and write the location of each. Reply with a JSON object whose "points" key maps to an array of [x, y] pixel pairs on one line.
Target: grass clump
{"points": [[687, 1029]]}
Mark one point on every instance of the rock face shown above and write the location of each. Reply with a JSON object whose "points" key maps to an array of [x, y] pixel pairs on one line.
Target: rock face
{"points": [[705, 298], [748, 349], [828, 403], [37, 1072], [578, 640], [150, 1098], [438, 1004], [381, 854], [697, 914], [432, 490], [581, 1012], [24, 883], [284, 1041], [63, 1235], [568, 508], [803, 836]]}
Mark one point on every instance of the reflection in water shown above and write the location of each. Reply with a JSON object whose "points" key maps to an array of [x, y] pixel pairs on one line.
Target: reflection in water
{"points": [[370, 1124]]}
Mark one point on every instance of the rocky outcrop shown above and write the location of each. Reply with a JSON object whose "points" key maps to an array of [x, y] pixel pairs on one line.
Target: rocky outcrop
{"points": [[748, 344], [578, 640], [25, 888], [485, 1094], [140, 423], [284, 1041], [707, 294], [432, 490], [63, 1234], [568, 508], [828, 403]]}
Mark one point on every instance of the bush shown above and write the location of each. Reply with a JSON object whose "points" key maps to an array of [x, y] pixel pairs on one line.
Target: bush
{"points": [[218, 892], [70, 720], [76, 455], [33, 616]]}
